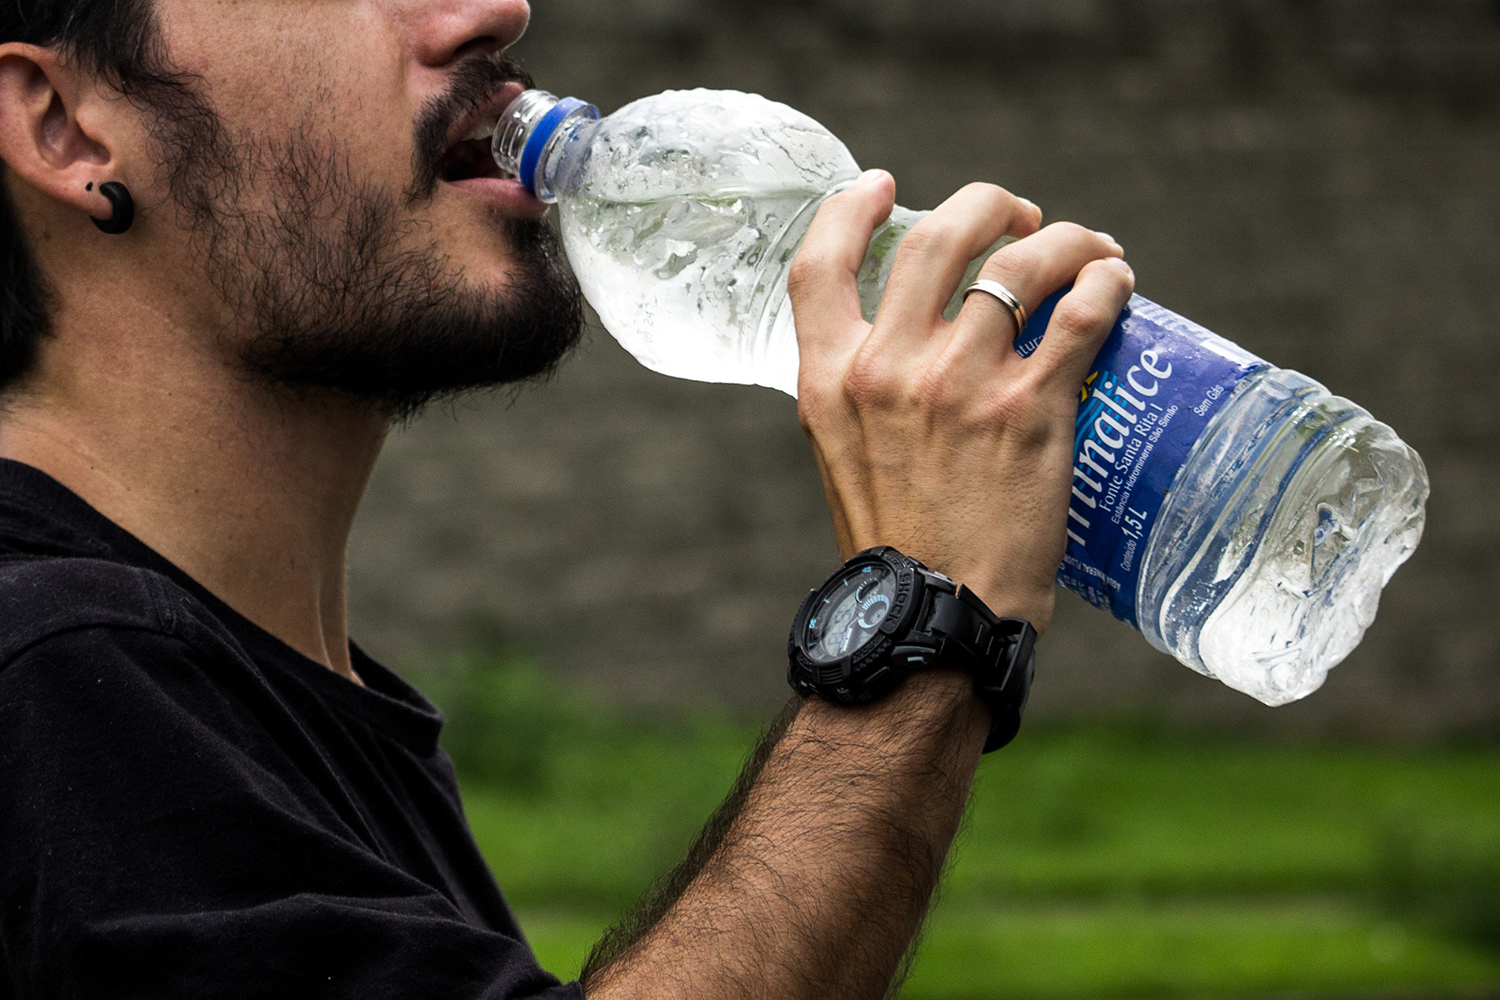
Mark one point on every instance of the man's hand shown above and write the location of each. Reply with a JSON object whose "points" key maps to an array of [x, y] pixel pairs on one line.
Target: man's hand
{"points": [[936, 437]]}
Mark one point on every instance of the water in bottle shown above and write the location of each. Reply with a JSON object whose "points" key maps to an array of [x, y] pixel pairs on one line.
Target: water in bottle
{"points": [[1243, 518]]}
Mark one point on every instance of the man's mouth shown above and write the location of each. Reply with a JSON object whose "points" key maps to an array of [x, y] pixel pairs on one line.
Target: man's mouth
{"points": [[468, 156], [468, 160]]}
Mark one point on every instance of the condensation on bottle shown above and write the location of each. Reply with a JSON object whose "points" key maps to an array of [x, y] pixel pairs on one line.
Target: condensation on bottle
{"points": [[1240, 516]]}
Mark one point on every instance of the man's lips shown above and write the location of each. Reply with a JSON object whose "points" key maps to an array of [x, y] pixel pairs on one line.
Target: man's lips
{"points": [[505, 195]]}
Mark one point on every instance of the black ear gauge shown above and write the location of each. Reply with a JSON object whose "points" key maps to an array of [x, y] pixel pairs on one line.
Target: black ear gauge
{"points": [[122, 205]]}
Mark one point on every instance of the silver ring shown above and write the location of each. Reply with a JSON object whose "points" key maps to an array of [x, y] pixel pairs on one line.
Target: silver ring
{"points": [[1006, 297]]}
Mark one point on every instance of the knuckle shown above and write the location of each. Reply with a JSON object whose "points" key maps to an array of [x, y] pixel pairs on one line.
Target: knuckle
{"points": [[1017, 407], [1005, 408], [806, 272], [1008, 264], [1079, 318], [1072, 232], [1109, 280], [995, 197], [993, 407], [1121, 280], [928, 238], [871, 382], [934, 388]]}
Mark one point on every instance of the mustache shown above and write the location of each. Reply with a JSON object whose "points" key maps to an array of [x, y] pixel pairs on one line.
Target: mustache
{"points": [[475, 81]]}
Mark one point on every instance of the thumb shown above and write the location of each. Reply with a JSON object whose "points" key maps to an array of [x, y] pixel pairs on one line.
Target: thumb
{"points": [[821, 282]]}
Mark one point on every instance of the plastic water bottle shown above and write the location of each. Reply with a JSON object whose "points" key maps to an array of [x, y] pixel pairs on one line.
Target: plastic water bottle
{"points": [[1239, 515]]}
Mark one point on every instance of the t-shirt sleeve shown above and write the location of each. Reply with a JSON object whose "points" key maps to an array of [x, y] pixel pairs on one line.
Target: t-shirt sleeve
{"points": [[145, 852]]}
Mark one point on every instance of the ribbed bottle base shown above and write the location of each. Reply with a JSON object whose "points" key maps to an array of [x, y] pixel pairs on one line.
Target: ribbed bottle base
{"points": [[1266, 565]]}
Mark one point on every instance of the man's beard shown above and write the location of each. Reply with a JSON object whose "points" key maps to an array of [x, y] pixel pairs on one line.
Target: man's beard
{"points": [[339, 294]]}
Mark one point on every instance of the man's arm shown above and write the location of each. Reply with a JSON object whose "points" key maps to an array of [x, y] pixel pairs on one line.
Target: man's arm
{"points": [[938, 439], [820, 880]]}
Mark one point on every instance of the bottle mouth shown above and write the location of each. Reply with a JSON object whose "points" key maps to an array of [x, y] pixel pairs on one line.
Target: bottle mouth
{"points": [[525, 128]]}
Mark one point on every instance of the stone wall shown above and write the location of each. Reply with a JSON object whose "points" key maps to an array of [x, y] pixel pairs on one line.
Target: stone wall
{"points": [[1316, 180]]}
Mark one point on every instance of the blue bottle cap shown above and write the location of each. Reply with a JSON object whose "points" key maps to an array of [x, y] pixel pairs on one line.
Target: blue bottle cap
{"points": [[531, 156]]}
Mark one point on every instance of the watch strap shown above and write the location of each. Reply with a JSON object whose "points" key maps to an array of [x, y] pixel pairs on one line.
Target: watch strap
{"points": [[1000, 653], [939, 623]]}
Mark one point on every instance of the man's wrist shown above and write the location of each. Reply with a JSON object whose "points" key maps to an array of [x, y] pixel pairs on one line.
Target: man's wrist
{"points": [[1034, 605], [1006, 595], [883, 616], [930, 704]]}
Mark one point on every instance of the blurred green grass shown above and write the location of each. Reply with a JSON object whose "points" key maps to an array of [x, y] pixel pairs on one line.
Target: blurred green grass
{"points": [[1102, 860]]}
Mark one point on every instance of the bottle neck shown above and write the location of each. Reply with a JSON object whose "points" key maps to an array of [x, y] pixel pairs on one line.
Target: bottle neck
{"points": [[532, 134]]}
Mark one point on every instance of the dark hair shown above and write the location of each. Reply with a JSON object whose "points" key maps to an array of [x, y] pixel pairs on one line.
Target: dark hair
{"points": [[115, 39]]}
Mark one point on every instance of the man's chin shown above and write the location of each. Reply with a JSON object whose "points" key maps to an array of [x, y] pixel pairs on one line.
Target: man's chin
{"points": [[400, 368], [423, 344], [362, 313]]}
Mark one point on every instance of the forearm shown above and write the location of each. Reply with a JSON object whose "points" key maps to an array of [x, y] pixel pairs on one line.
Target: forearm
{"points": [[935, 437], [822, 876]]}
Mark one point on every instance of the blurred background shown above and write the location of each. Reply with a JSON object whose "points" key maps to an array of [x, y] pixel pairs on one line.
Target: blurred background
{"points": [[595, 577]]}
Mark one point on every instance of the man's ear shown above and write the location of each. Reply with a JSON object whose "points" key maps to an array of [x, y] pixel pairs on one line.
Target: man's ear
{"points": [[56, 128]]}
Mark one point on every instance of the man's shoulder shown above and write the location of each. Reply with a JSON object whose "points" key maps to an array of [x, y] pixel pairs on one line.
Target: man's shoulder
{"points": [[44, 597]]}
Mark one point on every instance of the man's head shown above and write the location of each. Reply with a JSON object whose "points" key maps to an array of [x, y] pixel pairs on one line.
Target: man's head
{"points": [[296, 170]]}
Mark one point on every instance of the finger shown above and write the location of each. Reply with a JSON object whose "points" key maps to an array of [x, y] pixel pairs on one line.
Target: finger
{"points": [[1032, 269], [1081, 323], [934, 256], [820, 283]]}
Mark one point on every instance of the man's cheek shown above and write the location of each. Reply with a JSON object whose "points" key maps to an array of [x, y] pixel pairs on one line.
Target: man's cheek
{"points": [[374, 119]]}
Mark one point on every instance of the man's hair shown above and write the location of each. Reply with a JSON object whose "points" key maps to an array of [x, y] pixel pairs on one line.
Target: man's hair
{"points": [[118, 41]]}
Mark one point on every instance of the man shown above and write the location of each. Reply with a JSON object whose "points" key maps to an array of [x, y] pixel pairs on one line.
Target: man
{"points": [[240, 240]]}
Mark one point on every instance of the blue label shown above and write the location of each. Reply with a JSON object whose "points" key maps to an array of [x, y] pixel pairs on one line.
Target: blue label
{"points": [[1154, 388]]}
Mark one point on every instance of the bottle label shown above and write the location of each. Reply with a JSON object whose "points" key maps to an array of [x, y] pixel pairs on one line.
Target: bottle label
{"points": [[1153, 389]]}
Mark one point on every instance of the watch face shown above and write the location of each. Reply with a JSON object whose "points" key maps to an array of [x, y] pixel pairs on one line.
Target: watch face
{"points": [[849, 611]]}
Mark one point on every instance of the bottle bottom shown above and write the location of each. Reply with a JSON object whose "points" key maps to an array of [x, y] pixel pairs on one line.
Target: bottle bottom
{"points": [[1270, 554]]}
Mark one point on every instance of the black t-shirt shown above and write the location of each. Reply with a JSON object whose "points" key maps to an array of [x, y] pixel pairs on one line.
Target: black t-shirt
{"points": [[190, 808]]}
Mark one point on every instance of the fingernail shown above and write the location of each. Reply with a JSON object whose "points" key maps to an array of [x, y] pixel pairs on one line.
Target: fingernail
{"points": [[1106, 237], [870, 176], [1028, 201], [1120, 262]]}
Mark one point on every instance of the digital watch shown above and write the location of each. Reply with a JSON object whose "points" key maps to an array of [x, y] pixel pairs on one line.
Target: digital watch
{"points": [[884, 615]]}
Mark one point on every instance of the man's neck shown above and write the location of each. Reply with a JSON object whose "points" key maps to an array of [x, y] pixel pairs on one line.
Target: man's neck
{"points": [[250, 493]]}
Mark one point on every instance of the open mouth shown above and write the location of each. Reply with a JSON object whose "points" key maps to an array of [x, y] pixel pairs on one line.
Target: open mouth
{"points": [[469, 157]]}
